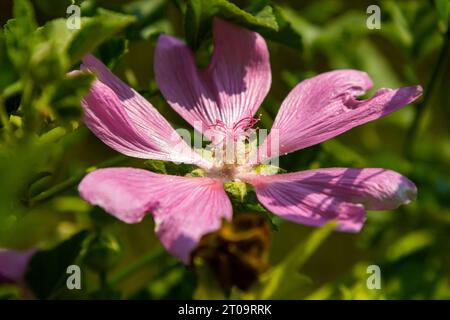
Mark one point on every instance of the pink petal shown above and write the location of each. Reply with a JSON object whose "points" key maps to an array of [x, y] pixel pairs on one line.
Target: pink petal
{"points": [[13, 265], [325, 106], [313, 197], [230, 89], [184, 208], [128, 123]]}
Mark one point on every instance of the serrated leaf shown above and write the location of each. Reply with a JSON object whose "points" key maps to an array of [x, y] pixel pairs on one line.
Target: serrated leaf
{"points": [[286, 34], [199, 14]]}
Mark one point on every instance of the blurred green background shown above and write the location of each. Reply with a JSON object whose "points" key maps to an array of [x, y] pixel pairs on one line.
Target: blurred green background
{"points": [[43, 159]]}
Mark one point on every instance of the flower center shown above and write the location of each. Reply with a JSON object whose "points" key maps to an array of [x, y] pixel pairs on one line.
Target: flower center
{"points": [[231, 145], [239, 130]]}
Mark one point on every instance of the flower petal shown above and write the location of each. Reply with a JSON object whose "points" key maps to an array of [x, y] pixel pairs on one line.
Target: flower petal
{"points": [[123, 192], [184, 208], [230, 89], [313, 197], [13, 265], [128, 123], [325, 106]]}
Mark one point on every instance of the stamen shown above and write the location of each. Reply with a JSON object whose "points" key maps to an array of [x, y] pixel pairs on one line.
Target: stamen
{"points": [[229, 143]]}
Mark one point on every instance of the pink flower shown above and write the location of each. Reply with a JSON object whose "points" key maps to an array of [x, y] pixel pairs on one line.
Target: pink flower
{"points": [[14, 264], [223, 99]]}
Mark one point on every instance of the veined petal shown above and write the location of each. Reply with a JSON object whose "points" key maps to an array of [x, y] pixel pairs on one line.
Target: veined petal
{"points": [[313, 197], [128, 123], [230, 89], [184, 208], [325, 106], [122, 192], [13, 265]]}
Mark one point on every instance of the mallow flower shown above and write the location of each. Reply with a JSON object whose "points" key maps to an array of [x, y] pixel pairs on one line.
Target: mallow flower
{"points": [[220, 102]]}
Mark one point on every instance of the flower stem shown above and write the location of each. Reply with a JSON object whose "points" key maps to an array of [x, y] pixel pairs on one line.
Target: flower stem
{"points": [[432, 84], [138, 264], [72, 181]]}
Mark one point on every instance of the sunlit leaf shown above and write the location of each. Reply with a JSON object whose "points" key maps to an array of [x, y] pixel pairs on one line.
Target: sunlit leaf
{"points": [[199, 14], [284, 278], [96, 30]]}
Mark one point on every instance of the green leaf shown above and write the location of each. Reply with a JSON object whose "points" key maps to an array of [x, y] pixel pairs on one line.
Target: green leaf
{"points": [[340, 155], [57, 32], [47, 64], [150, 18], [409, 244], [284, 278], [112, 51], [95, 31], [18, 33], [24, 13], [398, 27], [199, 14], [103, 252], [285, 34], [443, 12], [64, 97], [46, 275], [442, 8]]}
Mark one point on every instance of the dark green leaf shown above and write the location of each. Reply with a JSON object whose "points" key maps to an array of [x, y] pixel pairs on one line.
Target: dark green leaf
{"points": [[112, 51], [199, 14], [285, 34], [46, 275]]}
